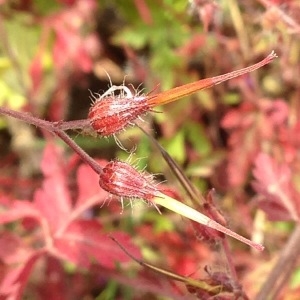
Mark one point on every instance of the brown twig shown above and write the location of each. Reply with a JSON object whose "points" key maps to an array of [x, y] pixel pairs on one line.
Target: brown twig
{"points": [[283, 268]]}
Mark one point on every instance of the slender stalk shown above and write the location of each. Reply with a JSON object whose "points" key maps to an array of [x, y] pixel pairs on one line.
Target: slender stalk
{"points": [[187, 280], [239, 25], [192, 192], [193, 87], [73, 125], [282, 269], [230, 264], [56, 128], [84, 156], [26, 117]]}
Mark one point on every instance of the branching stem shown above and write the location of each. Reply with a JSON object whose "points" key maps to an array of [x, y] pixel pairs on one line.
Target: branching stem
{"points": [[58, 129]]}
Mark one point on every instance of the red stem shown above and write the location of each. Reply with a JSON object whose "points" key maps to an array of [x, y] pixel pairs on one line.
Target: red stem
{"points": [[56, 128], [213, 224]]}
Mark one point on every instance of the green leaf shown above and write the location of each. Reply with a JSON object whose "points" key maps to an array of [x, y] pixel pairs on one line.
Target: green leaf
{"points": [[196, 134], [5, 65], [175, 147], [10, 97], [47, 7], [295, 280], [160, 222], [204, 167], [137, 39], [231, 98]]}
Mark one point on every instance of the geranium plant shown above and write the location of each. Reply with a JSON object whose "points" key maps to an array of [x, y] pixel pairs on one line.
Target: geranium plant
{"points": [[102, 224]]}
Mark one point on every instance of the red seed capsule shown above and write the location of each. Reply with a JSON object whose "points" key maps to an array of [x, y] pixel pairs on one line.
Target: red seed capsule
{"points": [[121, 179], [111, 114]]}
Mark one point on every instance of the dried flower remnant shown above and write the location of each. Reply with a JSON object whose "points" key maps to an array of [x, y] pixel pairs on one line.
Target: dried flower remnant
{"points": [[111, 114], [123, 180]]}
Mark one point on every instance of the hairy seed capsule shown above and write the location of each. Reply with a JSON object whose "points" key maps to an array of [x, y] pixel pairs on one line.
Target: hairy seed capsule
{"points": [[111, 114], [121, 179]]}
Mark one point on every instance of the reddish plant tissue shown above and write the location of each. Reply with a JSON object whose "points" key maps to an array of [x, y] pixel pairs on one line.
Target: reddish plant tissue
{"points": [[61, 232], [121, 179], [110, 115]]}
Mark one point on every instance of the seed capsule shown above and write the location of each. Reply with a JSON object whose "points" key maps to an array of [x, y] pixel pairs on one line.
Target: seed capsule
{"points": [[121, 179], [110, 115]]}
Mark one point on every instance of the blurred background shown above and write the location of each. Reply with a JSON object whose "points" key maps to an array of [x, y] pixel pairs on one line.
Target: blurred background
{"points": [[54, 54]]}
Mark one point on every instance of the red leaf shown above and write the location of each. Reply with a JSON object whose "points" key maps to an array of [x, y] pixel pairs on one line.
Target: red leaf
{"points": [[239, 118], [242, 142], [14, 282], [84, 243], [53, 199], [275, 211], [249, 125], [54, 281], [192, 47], [275, 111], [36, 72], [12, 249], [20, 210], [273, 181], [89, 191], [4, 199]]}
